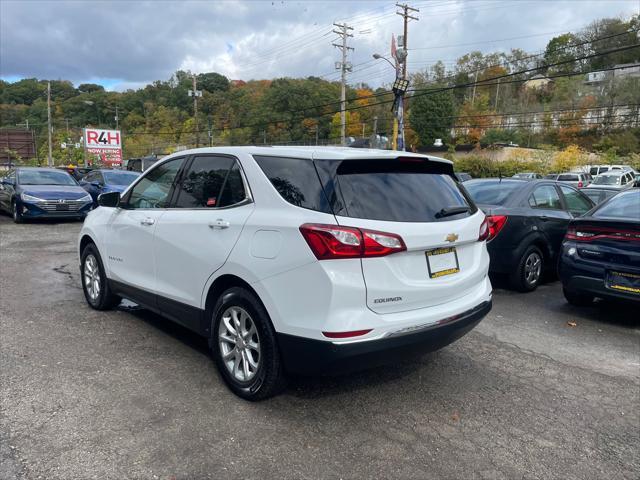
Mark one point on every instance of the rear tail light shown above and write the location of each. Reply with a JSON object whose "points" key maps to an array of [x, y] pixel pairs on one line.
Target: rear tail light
{"points": [[580, 184], [491, 226], [586, 234], [335, 241]]}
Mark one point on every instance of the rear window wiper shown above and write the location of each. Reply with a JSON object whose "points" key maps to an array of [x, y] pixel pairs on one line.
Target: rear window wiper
{"points": [[447, 212]]}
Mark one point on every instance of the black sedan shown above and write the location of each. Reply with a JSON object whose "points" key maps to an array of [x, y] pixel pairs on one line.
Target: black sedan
{"points": [[527, 222], [601, 252], [28, 192]]}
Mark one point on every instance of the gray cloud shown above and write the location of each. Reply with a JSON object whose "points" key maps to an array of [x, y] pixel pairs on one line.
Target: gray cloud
{"points": [[140, 41]]}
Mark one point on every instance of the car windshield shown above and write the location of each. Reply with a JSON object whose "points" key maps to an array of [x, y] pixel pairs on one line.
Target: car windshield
{"points": [[607, 180], [625, 206], [45, 177], [492, 192], [119, 178]]}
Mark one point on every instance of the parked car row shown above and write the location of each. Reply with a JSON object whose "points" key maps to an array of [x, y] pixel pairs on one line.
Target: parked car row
{"points": [[32, 192], [299, 260]]}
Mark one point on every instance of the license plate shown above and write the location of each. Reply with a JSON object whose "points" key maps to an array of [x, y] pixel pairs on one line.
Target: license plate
{"points": [[626, 282], [442, 261]]}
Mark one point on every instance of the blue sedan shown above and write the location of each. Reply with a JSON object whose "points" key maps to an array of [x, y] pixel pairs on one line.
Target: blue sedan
{"points": [[29, 192], [97, 182]]}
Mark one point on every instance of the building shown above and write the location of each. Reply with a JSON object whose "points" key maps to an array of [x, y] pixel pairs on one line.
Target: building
{"points": [[537, 82], [16, 144]]}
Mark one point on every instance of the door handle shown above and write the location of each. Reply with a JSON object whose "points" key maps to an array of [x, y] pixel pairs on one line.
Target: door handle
{"points": [[219, 223], [147, 221]]}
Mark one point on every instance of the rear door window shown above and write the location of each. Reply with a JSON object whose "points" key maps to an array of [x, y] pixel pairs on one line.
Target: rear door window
{"points": [[210, 182], [545, 196], [396, 190]]}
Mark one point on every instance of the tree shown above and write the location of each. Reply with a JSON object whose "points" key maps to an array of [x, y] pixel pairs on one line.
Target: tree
{"points": [[431, 116], [212, 82]]}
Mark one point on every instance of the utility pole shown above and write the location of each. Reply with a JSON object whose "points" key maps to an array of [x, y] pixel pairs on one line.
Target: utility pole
{"points": [[402, 108], [117, 118], [495, 105], [406, 17], [50, 155], [195, 93], [344, 66], [317, 133]]}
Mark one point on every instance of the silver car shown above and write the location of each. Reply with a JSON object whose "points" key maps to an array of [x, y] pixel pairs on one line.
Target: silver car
{"points": [[620, 179], [576, 179]]}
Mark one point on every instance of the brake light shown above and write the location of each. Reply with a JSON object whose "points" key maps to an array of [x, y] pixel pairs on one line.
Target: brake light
{"points": [[355, 333], [491, 226], [329, 242], [585, 234], [580, 184]]}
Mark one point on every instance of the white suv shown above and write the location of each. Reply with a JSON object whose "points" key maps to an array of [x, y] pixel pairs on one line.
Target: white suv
{"points": [[294, 260]]}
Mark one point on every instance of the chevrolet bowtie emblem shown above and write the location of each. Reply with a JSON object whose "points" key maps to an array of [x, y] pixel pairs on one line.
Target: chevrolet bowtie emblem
{"points": [[452, 237]]}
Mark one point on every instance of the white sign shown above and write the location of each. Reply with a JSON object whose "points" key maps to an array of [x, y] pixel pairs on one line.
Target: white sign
{"points": [[103, 146]]}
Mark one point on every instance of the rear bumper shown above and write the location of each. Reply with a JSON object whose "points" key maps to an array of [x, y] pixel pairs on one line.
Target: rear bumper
{"points": [[596, 287], [580, 275], [309, 356]]}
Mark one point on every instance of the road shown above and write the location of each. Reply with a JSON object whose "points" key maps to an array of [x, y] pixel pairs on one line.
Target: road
{"points": [[126, 394]]}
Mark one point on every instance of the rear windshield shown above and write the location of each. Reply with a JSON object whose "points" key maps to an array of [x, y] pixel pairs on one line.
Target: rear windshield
{"points": [[394, 190], [492, 192], [568, 178], [625, 206], [389, 190]]}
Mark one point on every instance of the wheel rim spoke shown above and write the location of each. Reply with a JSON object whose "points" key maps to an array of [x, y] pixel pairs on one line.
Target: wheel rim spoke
{"points": [[239, 343]]}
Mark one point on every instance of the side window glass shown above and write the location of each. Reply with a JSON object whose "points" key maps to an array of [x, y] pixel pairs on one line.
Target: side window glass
{"points": [[153, 189], [203, 182], [233, 191], [576, 203], [545, 196]]}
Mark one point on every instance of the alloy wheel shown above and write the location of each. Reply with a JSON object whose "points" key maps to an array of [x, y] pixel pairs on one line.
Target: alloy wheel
{"points": [[92, 277], [533, 268], [239, 344]]}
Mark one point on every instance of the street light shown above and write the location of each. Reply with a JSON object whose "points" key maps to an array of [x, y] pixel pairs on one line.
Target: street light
{"points": [[377, 56]]}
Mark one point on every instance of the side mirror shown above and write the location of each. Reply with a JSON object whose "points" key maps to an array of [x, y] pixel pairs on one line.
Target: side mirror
{"points": [[110, 199]]}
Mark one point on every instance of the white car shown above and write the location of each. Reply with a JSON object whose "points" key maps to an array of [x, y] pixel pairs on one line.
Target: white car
{"points": [[294, 260]]}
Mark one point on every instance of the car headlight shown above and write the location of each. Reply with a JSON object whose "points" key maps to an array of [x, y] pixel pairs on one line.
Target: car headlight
{"points": [[30, 198], [86, 198]]}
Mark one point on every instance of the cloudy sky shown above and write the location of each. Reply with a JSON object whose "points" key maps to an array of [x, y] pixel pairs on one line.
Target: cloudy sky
{"points": [[126, 44]]}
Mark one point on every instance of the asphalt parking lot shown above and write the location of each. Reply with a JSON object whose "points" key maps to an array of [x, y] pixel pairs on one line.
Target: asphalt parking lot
{"points": [[126, 394]]}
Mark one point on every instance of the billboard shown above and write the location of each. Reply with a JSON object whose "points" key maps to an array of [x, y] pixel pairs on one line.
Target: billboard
{"points": [[103, 147]]}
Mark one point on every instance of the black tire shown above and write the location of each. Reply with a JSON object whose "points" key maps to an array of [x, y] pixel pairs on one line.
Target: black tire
{"points": [[267, 378], [15, 213], [578, 299], [524, 278], [105, 299]]}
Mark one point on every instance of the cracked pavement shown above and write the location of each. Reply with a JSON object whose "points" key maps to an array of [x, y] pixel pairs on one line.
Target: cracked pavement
{"points": [[126, 394]]}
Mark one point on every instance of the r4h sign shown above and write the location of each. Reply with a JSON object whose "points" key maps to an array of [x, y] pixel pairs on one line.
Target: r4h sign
{"points": [[97, 138]]}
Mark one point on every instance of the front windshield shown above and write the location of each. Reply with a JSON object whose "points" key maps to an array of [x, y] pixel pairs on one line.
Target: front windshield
{"points": [[45, 177], [120, 178], [607, 180]]}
